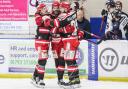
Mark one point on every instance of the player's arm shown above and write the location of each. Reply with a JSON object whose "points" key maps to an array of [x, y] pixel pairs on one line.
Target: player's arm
{"points": [[63, 22], [38, 20]]}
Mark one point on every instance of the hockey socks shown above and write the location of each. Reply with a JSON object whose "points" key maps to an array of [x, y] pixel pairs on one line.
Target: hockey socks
{"points": [[60, 68]]}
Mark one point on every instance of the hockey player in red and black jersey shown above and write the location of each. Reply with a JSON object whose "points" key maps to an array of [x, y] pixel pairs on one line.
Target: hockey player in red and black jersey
{"points": [[57, 45], [42, 42], [71, 42]]}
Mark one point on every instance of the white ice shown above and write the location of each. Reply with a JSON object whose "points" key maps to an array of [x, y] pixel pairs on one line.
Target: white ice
{"points": [[52, 84]]}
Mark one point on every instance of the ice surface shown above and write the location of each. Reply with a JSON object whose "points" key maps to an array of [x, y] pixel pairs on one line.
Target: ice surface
{"points": [[52, 84]]}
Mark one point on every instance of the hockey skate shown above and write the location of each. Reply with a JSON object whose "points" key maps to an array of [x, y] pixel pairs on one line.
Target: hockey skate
{"points": [[73, 84], [61, 83], [37, 82]]}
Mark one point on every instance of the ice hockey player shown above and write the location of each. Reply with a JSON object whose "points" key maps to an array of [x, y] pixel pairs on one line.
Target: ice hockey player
{"points": [[123, 19], [108, 14], [42, 41], [57, 45], [71, 43], [116, 33]]}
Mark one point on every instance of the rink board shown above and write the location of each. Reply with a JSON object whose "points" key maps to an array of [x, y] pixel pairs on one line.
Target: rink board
{"points": [[113, 60], [108, 61], [18, 58]]}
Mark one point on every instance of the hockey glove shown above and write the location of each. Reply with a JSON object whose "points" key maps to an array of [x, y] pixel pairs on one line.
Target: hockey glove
{"points": [[104, 12]]}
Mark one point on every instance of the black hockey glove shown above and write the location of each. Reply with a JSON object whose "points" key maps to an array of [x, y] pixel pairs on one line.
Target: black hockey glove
{"points": [[104, 12]]}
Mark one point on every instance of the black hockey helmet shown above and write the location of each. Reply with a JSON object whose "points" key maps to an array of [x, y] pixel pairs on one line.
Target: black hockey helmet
{"points": [[111, 3]]}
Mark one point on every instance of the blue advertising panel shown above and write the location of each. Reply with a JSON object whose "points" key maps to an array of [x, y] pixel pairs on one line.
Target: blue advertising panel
{"points": [[92, 61]]}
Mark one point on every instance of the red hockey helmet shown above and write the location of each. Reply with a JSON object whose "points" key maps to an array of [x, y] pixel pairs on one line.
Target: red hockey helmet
{"points": [[55, 4], [40, 6], [65, 5]]}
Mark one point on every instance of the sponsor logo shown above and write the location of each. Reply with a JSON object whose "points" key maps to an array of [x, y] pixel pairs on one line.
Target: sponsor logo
{"points": [[1, 59], [45, 1], [80, 56], [92, 61], [109, 59], [124, 60]]}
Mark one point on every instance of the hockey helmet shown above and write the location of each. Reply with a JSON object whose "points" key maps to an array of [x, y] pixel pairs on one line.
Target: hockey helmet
{"points": [[55, 4], [40, 6], [65, 5], [111, 3]]}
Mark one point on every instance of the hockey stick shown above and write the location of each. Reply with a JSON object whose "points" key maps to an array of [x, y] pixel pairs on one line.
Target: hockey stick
{"points": [[104, 38], [96, 43], [96, 36], [93, 35], [102, 23]]}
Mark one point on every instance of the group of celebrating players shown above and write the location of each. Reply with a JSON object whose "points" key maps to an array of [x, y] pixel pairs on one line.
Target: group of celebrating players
{"points": [[61, 31], [59, 27]]}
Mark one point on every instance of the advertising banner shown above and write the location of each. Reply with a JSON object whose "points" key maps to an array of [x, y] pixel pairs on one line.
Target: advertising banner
{"points": [[108, 60], [4, 56], [14, 16], [21, 57], [82, 57], [92, 61], [113, 59]]}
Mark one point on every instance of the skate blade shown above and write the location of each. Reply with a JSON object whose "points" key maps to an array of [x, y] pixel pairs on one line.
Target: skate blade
{"points": [[36, 85], [61, 86], [76, 86], [67, 87]]}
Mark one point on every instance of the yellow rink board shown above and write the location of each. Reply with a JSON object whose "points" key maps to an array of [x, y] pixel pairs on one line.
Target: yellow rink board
{"points": [[117, 79], [30, 75]]}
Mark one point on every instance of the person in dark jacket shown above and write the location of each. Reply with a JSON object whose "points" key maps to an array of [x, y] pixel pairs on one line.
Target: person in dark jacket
{"points": [[83, 23]]}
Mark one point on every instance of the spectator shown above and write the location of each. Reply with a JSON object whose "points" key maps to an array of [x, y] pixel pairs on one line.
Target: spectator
{"points": [[83, 23]]}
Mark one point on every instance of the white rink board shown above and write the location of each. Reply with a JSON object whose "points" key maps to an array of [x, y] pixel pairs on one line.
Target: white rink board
{"points": [[113, 59], [20, 56]]}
